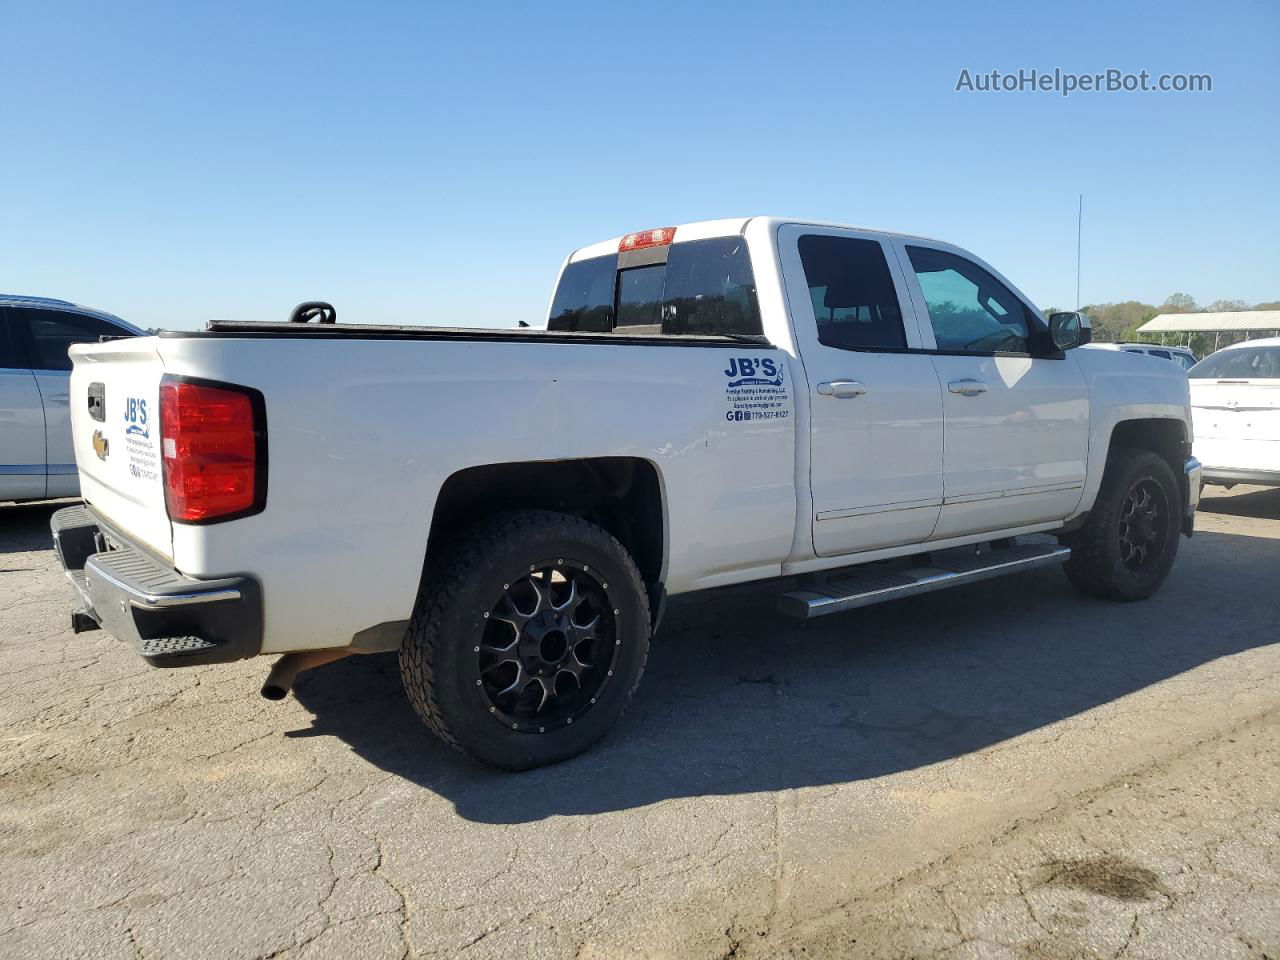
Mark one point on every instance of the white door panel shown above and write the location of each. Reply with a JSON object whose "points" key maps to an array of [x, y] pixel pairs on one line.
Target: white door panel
{"points": [[22, 475], [1016, 432], [877, 457], [875, 411]]}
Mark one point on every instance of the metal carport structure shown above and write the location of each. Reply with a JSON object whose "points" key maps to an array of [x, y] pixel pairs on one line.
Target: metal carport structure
{"points": [[1249, 322]]}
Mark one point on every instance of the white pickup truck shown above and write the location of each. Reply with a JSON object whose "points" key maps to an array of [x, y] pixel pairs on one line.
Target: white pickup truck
{"points": [[857, 415]]}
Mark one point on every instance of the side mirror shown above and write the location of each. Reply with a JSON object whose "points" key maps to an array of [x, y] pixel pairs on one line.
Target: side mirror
{"points": [[1068, 330]]}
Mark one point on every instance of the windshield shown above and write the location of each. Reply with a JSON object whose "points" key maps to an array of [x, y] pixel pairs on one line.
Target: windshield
{"points": [[1240, 363]]}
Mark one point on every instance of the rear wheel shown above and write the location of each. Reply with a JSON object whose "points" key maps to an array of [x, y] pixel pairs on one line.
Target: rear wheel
{"points": [[1126, 548], [528, 639]]}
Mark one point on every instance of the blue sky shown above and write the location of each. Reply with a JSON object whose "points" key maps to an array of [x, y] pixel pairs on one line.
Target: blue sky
{"points": [[415, 163]]}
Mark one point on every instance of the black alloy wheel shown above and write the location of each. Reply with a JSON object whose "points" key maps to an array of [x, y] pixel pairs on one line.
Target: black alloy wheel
{"points": [[548, 647], [1143, 524]]}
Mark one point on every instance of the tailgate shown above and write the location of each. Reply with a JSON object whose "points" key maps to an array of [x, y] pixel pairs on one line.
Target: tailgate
{"points": [[115, 425], [1236, 410]]}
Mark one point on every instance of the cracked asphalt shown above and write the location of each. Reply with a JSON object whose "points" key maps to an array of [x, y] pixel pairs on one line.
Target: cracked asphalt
{"points": [[1009, 770]]}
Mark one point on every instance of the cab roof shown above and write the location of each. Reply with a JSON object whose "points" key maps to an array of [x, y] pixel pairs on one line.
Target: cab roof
{"points": [[51, 303], [703, 229]]}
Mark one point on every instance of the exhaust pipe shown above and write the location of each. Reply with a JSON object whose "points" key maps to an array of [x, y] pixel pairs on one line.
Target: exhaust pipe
{"points": [[285, 670]]}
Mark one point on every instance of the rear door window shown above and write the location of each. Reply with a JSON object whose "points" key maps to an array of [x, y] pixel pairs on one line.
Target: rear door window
{"points": [[50, 333], [704, 288], [12, 356], [854, 303]]}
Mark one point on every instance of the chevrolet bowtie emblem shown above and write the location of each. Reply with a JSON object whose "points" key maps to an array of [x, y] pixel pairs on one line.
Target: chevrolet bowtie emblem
{"points": [[101, 446]]}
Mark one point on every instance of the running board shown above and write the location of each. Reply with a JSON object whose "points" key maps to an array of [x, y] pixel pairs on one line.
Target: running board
{"points": [[863, 586]]}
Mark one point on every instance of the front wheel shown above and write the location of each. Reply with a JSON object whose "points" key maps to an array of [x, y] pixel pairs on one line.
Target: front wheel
{"points": [[528, 639], [1126, 548]]}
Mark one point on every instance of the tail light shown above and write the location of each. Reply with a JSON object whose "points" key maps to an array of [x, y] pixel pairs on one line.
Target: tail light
{"points": [[213, 444], [659, 237]]}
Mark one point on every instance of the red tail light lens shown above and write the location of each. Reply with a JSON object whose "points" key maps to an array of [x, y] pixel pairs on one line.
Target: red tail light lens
{"points": [[213, 447], [658, 237]]}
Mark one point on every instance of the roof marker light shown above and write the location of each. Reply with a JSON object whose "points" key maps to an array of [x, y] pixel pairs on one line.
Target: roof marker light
{"points": [[657, 237]]}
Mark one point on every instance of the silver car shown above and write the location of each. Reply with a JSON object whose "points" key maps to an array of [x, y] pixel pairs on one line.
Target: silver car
{"points": [[35, 426], [1179, 355]]}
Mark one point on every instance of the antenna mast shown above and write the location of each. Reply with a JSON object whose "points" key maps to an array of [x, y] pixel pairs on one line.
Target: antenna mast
{"points": [[1079, 234]]}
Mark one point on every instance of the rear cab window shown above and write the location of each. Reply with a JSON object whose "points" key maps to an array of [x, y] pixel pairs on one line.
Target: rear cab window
{"points": [[695, 288]]}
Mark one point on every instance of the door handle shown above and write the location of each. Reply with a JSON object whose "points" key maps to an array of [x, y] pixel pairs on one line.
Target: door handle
{"points": [[967, 388], [841, 389]]}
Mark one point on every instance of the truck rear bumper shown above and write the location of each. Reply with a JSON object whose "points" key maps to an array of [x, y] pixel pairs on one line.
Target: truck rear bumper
{"points": [[171, 620]]}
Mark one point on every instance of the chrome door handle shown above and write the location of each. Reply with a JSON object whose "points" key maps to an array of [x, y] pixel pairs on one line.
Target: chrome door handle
{"points": [[841, 389], [967, 388]]}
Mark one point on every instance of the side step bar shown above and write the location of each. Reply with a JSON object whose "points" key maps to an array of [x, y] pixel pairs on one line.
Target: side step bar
{"points": [[864, 586]]}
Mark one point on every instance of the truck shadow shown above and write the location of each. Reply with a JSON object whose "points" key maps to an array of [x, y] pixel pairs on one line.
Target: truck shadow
{"points": [[1260, 502], [25, 526], [736, 699]]}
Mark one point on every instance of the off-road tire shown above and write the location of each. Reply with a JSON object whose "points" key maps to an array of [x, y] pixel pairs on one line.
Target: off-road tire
{"points": [[458, 591], [1096, 565]]}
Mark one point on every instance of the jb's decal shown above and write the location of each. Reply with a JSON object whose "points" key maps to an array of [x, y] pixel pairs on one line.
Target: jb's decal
{"points": [[744, 371], [143, 461], [755, 389], [135, 415]]}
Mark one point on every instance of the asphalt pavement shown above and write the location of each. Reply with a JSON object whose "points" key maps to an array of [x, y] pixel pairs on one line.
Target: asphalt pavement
{"points": [[1007, 770]]}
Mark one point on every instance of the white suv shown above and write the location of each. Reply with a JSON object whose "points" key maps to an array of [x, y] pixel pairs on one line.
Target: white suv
{"points": [[1235, 402], [36, 459], [1179, 355]]}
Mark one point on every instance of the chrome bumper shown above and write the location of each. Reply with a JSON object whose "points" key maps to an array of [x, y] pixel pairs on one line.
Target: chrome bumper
{"points": [[171, 620]]}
